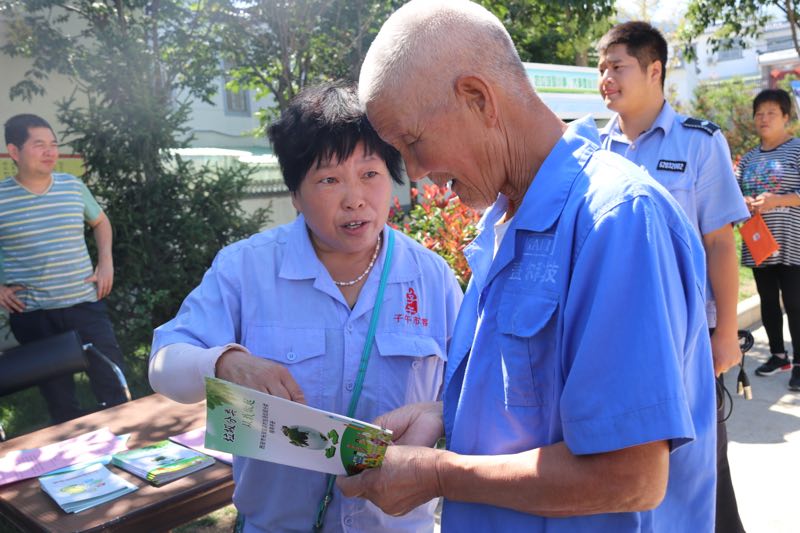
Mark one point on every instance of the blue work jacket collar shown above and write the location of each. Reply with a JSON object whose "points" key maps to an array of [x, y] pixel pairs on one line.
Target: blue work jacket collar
{"points": [[664, 121], [543, 202]]}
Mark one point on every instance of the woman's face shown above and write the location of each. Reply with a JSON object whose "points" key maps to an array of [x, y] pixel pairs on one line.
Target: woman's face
{"points": [[770, 120], [346, 203]]}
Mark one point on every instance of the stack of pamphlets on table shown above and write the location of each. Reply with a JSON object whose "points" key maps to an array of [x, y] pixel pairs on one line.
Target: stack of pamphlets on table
{"points": [[76, 490], [162, 462]]}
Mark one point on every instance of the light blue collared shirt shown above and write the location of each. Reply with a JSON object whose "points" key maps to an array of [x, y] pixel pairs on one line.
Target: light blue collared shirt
{"points": [[693, 164], [587, 327], [271, 294]]}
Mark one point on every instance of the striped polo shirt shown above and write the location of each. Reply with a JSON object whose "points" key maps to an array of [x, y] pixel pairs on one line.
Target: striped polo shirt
{"points": [[42, 244], [776, 171]]}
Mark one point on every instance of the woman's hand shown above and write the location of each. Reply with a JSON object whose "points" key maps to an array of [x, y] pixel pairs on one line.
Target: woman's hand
{"points": [[238, 366], [748, 201], [766, 201]]}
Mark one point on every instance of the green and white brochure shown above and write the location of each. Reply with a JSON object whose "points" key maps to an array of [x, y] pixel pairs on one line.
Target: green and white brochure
{"points": [[162, 462], [255, 424], [76, 490]]}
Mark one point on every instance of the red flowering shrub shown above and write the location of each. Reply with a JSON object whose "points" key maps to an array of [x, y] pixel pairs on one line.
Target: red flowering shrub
{"points": [[440, 222]]}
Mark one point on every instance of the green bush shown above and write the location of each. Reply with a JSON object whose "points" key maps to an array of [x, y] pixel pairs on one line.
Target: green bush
{"points": [[440, 222], [729, 104], [166, 233]]}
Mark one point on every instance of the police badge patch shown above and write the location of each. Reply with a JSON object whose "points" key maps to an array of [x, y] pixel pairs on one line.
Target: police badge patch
{"points": [[672, 166]]}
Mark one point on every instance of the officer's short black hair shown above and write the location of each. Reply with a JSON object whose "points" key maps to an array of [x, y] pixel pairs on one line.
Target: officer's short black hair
{"points": [[17, 128], [325, 123], [778, 96], [641, 40]]}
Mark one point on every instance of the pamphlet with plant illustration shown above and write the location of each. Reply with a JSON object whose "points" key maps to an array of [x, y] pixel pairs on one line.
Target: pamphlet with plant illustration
{"points": [[255, 424], [76, 490], [162, 462]]}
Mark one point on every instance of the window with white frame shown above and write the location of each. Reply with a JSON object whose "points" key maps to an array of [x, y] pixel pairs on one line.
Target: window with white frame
{"points": [[236, 102], [729, 51], [780, 43]]}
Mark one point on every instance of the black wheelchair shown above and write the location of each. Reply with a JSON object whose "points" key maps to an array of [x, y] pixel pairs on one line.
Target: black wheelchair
{"points": [[32, 363]]}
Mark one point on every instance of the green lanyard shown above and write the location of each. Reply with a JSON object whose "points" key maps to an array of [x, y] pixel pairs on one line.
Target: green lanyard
{"points": [[362, 370]]}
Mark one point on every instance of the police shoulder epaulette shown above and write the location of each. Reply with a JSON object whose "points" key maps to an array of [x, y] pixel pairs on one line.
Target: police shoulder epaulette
{"points": [[705, 125]]}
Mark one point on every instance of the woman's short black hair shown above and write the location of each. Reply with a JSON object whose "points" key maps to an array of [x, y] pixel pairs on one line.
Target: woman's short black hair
{"points": [[325, 123], [778, 96]]}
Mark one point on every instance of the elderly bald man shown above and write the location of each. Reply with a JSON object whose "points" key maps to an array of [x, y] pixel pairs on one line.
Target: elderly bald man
{"points": [[579, 388]]}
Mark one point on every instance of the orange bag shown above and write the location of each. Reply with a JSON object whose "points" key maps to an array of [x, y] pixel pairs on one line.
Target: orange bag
{"points": [[758, 238]]}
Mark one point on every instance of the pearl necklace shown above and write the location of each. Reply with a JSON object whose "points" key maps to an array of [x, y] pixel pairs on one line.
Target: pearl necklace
{"points": [[369, 267]]}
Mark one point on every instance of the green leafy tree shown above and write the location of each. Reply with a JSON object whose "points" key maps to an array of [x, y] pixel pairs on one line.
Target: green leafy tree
{"points": [[735, 22], [638, 10], [277, 48], [554, 32], [135, 65]]}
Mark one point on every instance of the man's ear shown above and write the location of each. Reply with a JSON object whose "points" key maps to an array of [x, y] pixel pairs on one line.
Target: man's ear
{"points": [[295, 203], [478, 96], [13, 151], [654, 71]]}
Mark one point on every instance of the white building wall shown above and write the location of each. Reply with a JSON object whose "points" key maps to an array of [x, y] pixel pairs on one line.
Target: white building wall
{"points": [[12, 71], [683, 78], [215, 125]]}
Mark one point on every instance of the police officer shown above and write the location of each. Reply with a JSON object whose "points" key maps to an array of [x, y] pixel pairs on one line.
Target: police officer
{"points": [[691, 159]]}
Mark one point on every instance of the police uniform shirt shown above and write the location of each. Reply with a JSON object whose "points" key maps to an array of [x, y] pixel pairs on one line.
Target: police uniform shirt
{"points": [[691, 159]]}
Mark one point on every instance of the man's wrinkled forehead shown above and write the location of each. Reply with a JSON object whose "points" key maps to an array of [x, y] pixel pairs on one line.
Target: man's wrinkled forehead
{"points": [[385, 114]]}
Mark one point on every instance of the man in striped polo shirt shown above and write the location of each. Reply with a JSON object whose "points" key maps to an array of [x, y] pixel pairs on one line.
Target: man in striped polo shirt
{"points": [[49, 284]]}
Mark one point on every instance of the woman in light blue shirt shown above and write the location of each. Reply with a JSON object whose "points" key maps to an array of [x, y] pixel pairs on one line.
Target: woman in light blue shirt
{"points": [[287, 310]]}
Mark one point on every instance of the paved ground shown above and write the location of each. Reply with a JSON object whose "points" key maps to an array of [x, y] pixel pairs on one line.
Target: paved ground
{"points": [[764, 446]]}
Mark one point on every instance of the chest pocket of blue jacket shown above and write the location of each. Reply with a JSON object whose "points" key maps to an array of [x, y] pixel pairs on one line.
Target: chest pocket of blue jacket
{"points": [[528, 358], [299, 349], [412, 368]]}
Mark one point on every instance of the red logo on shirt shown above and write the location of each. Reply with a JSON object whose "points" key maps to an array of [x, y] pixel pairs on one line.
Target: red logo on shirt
{"points": [[411, 312], [411, 302]]}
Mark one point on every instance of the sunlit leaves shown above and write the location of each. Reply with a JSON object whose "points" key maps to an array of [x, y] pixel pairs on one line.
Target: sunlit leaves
{"points": [[440, 222], [732, 22]]}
